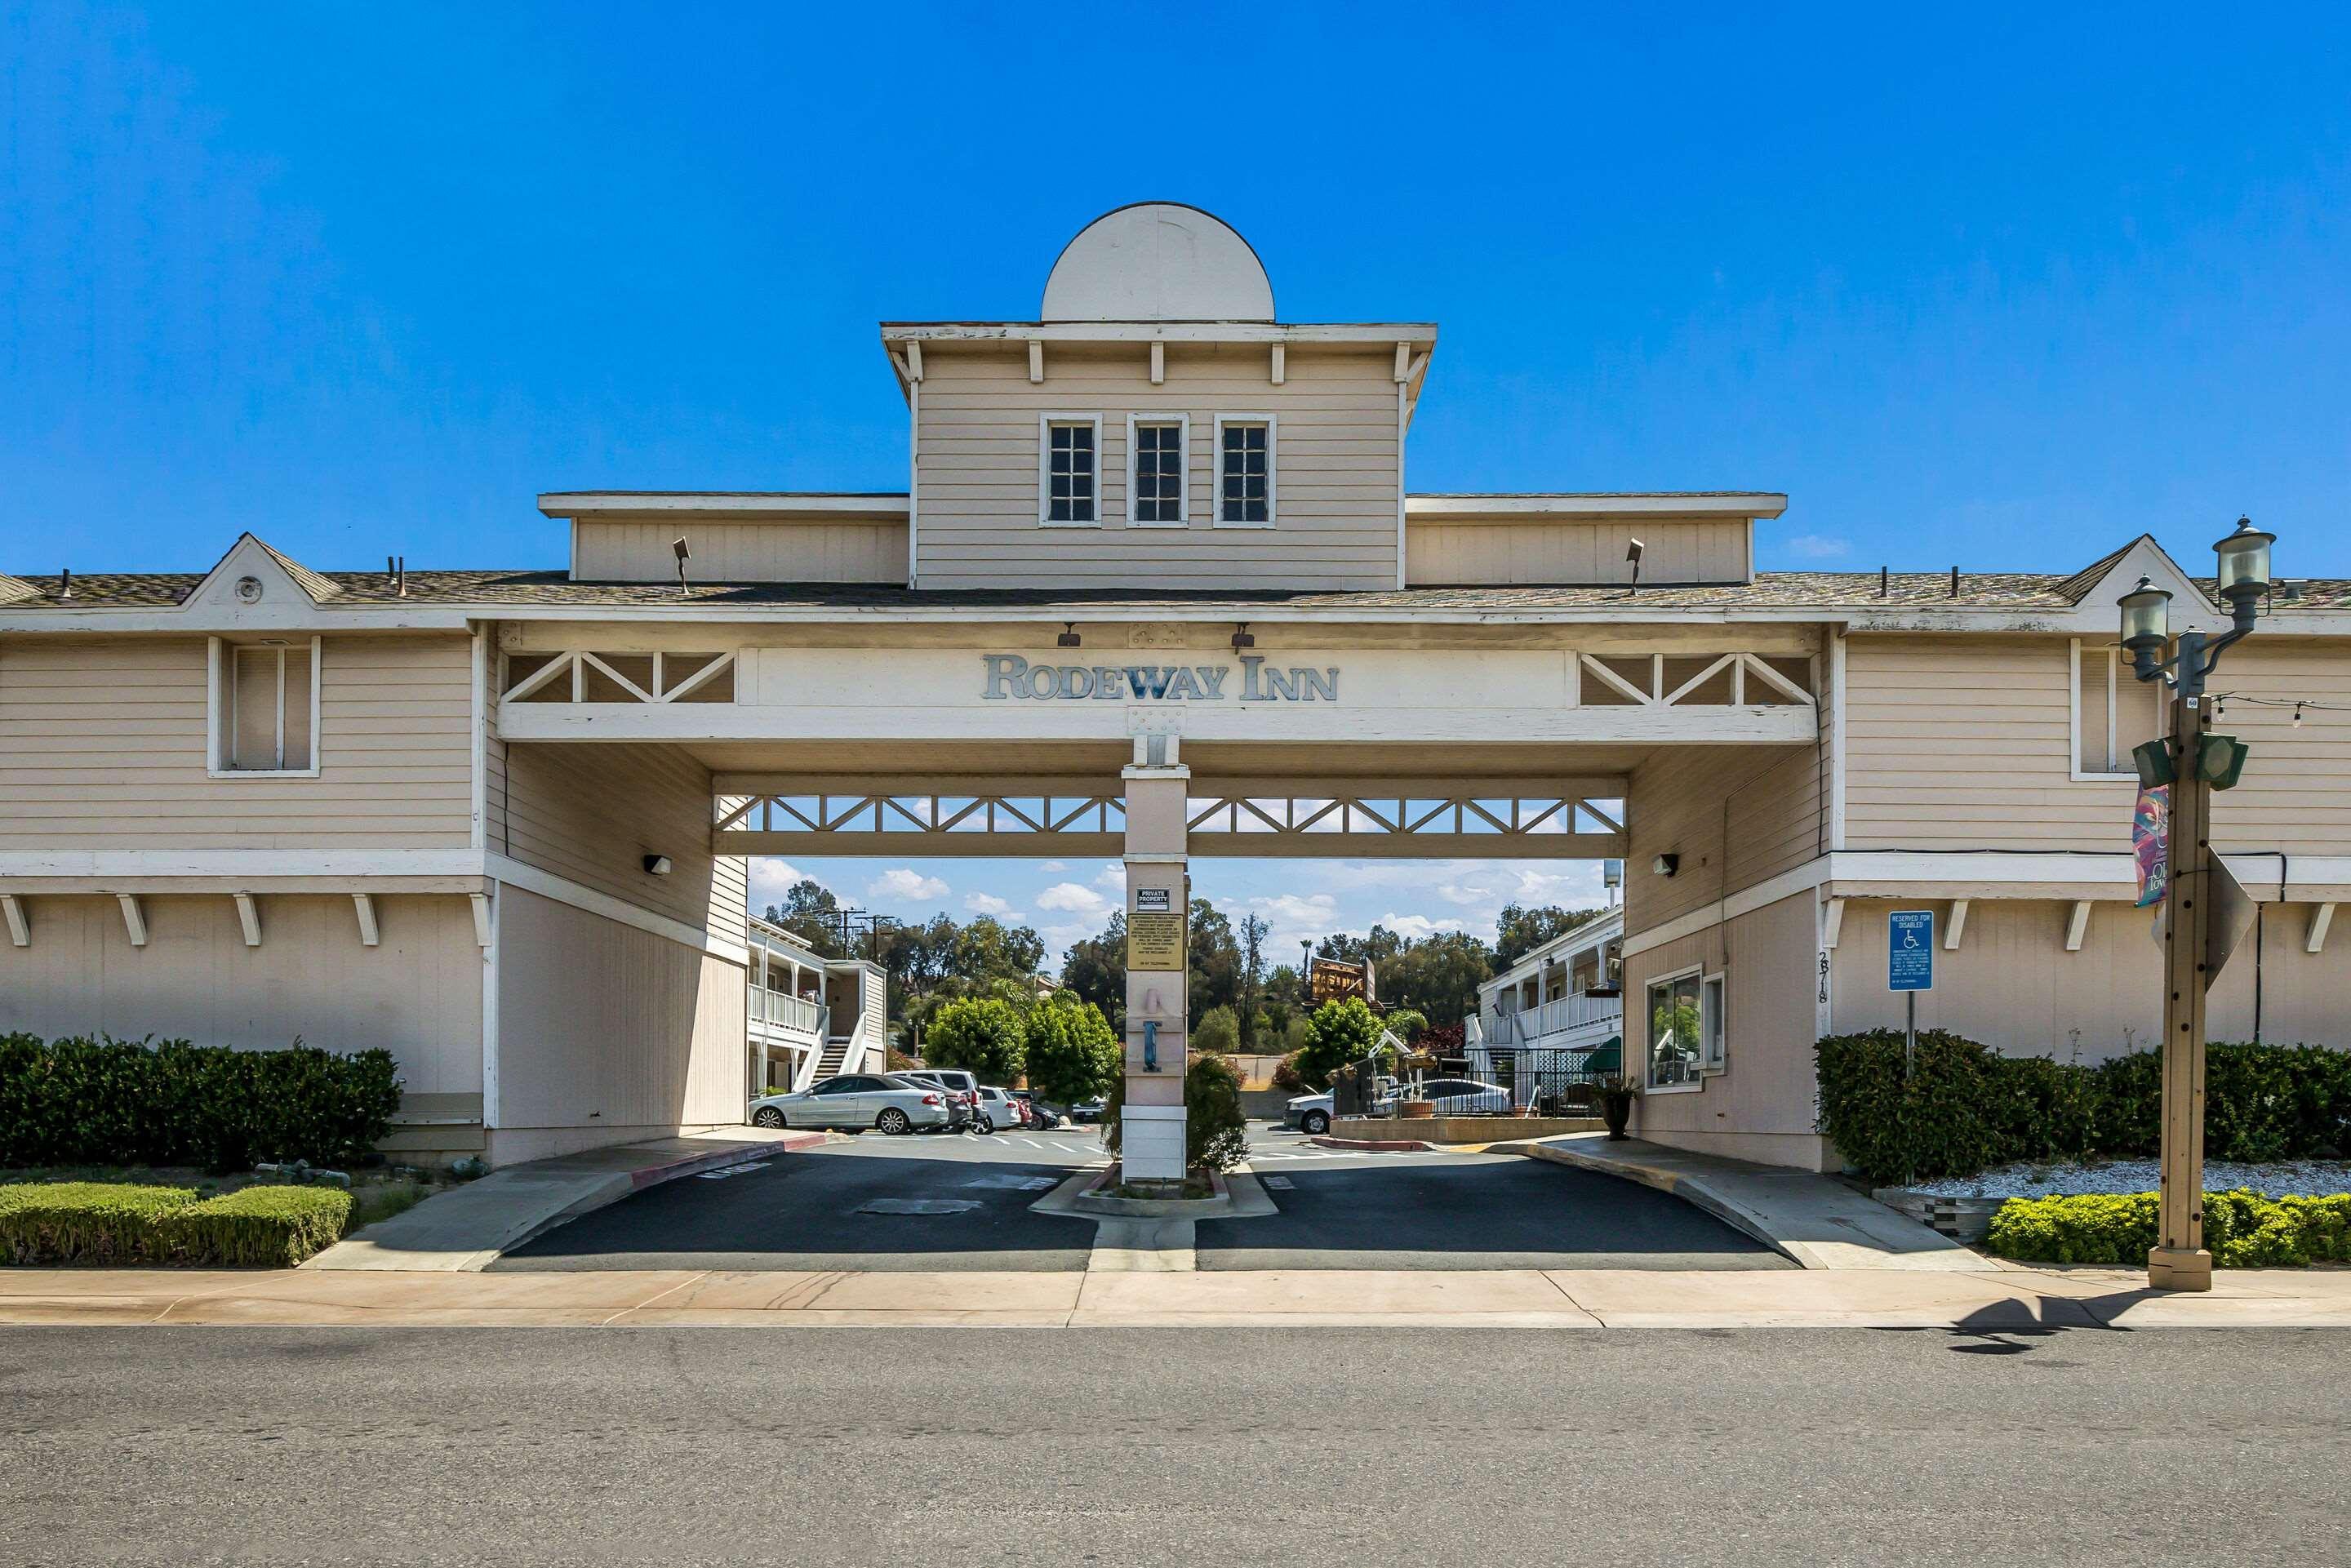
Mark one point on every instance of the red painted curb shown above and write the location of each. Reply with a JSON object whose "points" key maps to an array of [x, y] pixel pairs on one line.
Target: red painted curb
{"points": [[1373, 1144]]}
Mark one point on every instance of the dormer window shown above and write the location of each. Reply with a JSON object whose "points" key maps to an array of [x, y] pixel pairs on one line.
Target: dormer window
{"points": [[1157, 489], [1067, 470], [1245, 471]]}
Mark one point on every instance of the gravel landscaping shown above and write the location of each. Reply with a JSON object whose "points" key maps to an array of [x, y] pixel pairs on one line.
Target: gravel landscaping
{"points": [[2304, 1178]]}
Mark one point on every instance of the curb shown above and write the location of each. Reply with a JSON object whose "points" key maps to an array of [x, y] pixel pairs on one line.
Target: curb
{"points": [[1378, 1145]]}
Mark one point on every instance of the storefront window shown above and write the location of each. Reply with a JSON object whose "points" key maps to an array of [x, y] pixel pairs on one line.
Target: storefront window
{"points": [[1676, 1031]]}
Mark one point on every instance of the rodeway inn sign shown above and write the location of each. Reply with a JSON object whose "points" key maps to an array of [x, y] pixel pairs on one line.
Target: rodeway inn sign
{"points": [[1009, 675]]}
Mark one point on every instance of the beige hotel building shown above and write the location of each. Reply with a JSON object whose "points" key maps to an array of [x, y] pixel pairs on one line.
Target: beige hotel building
{"points": [[1158, 585]]}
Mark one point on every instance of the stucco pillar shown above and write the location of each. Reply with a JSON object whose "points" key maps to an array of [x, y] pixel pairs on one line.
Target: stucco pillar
{"points": [[1158, 897]]}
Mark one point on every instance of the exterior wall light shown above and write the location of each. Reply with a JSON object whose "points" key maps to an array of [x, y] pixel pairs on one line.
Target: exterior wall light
{"points": [[1666, 865], [656, 865], [1241, 639], [1069, 637]]}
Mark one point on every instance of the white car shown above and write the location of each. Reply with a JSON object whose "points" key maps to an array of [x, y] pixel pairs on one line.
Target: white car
{"points": [[854, 1102], [1464, 1097], [998, 1111]]}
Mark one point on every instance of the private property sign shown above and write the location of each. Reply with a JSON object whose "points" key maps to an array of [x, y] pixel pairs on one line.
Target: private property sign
{"points": [[1910, 950], [1009, 676]]}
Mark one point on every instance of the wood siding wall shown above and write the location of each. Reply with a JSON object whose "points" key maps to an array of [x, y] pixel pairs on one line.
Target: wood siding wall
{"points": [[621, 551], [2013, 985], [602, 1027], [1734, 815], [1675, 550], [102, 746], [590, 813], [1760, 1107], [418, 994], [1966, 743], [1335, 461]]}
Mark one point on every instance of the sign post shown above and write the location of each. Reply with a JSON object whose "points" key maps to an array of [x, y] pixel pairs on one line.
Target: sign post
{"points": [[1909, 969]]}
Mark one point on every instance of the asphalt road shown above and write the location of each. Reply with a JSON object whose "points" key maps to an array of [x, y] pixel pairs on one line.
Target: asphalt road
{"points": [[811, 1210], [1173, 1447]]}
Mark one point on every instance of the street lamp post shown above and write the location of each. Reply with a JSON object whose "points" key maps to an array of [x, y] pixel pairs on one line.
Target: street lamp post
{"points": [[2178, 1260]]}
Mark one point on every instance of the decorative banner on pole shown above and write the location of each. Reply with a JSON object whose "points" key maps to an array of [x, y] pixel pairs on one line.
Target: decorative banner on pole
{"points": [[2151, 842]]}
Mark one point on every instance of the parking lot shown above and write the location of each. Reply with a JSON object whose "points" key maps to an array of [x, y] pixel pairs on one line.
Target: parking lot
{"points": [[954, 1202]]}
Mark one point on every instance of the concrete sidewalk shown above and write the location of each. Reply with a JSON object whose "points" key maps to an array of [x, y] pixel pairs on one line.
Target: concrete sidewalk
{"points": [[461, 1230], [1819, 1222], [1989, 1300]]}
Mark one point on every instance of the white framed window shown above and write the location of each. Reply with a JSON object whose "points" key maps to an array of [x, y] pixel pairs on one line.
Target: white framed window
{"points": [[2113, 711], [262, 709], [1155, 469], [1068, 470], [1677, 1032], [1714, 1053], [1245, 453]]}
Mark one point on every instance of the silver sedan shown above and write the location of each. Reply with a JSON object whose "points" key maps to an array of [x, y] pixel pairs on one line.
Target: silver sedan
{"points": [[854, 1101]]}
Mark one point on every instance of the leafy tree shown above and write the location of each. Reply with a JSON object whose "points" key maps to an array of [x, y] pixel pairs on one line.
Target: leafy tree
{"points": [[1437, 977], [1073, 1054], [1216, 1029], [1406, 1024], [980, 1035], [1252, 931], [1214, 958], [805, 912], [1338, 1033], [1096, 969], [1520, 930], [1285, 992]]}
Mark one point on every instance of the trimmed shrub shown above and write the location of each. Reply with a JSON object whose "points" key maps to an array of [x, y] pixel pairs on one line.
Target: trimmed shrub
{"points": [[2244, 1229], [123, 1225], [1216, 1128], [262, 1227], [133, 1103], [1286, 1077], [1967, 1108], [1072, 1056], [89, 1222]]}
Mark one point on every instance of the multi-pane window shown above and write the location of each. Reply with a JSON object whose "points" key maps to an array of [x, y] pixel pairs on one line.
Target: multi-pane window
{"points": [[1158, 471], [1069, 471], [265, 717], [1245, 486], [2113, 712]]}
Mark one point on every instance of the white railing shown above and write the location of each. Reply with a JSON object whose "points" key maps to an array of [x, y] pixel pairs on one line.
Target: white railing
{"points": [[778, 1009], [1570, 1014]]}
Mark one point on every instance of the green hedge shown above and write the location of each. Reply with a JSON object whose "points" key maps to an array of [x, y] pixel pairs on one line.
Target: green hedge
{"points": [[2242, 1229], [1968, 1108], [135, 1102], [128, 1226]]}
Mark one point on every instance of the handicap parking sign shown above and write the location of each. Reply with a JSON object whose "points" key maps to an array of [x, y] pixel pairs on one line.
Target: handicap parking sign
{"points": [[1910, 950]]}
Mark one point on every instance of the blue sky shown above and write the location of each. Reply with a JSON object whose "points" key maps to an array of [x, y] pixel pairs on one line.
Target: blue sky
{"points": [[1974, 289]]}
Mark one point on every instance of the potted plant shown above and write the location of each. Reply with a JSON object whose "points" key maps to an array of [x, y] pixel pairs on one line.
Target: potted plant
{"points": [[1616, 1094]]}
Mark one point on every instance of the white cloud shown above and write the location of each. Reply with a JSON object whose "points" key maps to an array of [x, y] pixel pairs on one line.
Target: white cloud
{"points": [[986, 903], [770, 878], [1420, 927], [1817, 547], [1071, 897], [1112, 874], [1460, 892], [1053, 865], [1288, 909], [905, 883]]}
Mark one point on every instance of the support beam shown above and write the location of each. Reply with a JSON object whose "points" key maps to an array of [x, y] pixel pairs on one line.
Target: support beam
{"points": [[1958, 925], [481, 918], [20, 930], [363, 905], [1158, 363], [913, 361], [2078, 926], [2320, 919], [1036, 362], [134, 919], [248, 915], [1833, 924], [1403, 362], [1280, 364]]}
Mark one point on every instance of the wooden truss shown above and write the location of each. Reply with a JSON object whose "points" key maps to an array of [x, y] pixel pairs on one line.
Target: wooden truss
{"points": [[1262, 820]]}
